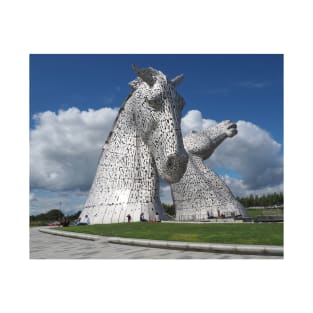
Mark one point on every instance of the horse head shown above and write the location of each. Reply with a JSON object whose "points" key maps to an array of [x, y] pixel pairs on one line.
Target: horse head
{"points": [[203, 143], [157, 111]]}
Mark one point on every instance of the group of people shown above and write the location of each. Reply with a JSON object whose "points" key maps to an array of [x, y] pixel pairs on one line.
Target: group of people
{"points": [[86, 221], [65, 221], [81, 221], [142, 218]]}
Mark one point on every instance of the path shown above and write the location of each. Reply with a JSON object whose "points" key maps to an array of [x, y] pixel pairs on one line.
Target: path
{"points": [[45, 246]]}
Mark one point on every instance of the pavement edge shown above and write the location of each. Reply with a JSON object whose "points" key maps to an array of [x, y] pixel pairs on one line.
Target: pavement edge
{"points": [[177, 245]]}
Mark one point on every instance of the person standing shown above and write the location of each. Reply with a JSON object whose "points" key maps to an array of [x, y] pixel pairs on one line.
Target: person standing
{"points": [[85, 220], [157, 217], [128, 218], [65, 221], [142, 218]]}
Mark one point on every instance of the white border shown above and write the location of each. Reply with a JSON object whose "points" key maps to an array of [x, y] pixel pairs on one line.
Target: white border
{"points": [[157, 27]]}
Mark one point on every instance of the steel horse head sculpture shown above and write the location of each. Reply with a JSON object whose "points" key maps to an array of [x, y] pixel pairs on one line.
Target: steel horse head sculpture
{"points": [[201, 193], [145, 142]]}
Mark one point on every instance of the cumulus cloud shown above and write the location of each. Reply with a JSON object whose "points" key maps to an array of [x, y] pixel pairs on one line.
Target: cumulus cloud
{"points": [[70, 202], [193, 121], [165, 192], [240, 189], [65, 146], [252, 153]]}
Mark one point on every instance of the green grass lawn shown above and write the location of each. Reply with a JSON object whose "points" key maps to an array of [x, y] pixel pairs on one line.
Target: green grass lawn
{"points": [[245, 233]]}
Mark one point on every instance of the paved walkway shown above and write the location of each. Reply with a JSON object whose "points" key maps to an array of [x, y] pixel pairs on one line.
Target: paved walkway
{"points": [[46, 246]]}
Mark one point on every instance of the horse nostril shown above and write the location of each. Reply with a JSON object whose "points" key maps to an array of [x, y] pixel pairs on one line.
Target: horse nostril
{"points": [[170, 162], [175, 161], [175, 167]]}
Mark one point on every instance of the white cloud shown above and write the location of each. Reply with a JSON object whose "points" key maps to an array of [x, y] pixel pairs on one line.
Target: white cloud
{"points": [[165, 193], [239, 188], [193, 121], [252, 153], [69, 202], [65, 146]]}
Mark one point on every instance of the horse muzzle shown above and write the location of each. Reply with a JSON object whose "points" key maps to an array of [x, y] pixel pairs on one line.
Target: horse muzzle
{"points": [[175, 167]]}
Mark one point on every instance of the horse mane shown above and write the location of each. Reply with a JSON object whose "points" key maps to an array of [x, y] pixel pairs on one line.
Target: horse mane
{"points": [[134, 84], [118, 115]]}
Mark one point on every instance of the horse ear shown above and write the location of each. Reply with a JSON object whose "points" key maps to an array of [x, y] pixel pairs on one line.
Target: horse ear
{"points": [[146, 74], [177, 80], [134, 84]]}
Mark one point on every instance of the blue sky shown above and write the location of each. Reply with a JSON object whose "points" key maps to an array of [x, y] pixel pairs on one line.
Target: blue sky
{"points": [[216, 87], [247, 87]]}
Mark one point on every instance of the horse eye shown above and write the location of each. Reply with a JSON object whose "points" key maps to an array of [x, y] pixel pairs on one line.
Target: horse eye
{"points": [[155, 104]]}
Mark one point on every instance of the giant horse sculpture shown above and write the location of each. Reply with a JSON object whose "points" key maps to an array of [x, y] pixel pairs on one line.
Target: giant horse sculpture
{"points": [[201, 193], [145, 142]]}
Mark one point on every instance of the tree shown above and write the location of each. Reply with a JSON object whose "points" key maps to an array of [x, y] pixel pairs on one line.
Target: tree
{"points": [[264, 200], [169, 209], [52, 215], [74, 216]]}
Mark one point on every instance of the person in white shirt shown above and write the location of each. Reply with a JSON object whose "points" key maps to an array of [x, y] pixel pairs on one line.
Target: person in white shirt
{"points": [[157, 217], [85, 220]]}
